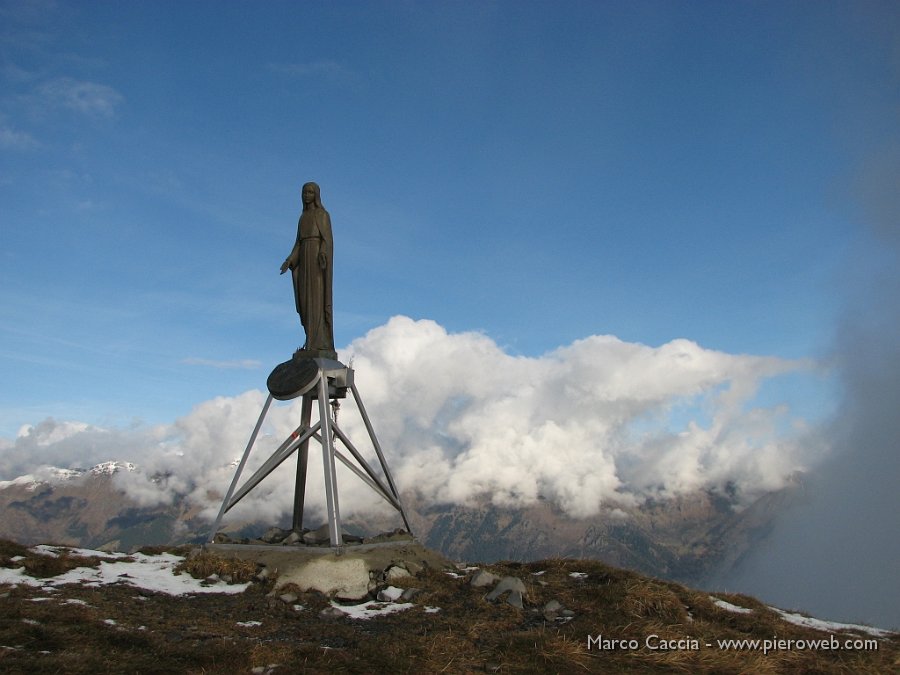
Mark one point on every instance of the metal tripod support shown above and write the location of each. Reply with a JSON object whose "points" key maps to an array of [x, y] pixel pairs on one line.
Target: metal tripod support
{"points": [[331, 382]]}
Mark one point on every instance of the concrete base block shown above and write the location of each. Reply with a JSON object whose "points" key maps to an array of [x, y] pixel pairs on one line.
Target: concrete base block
{"points": [[343, 578]]}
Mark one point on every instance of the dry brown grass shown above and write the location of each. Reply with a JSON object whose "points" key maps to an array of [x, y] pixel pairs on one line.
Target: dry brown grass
{"points": [[155, 633], [646, 599], [204, 564], [10, 549]]}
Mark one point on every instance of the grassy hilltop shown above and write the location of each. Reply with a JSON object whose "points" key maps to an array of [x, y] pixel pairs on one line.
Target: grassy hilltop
{"points": [[76, 611]]}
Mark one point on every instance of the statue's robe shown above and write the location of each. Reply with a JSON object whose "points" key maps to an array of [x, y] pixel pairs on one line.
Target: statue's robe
{"points": [[311, 267]]}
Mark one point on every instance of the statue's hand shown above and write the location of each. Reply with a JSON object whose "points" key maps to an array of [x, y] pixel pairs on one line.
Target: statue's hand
{"points": [[284, 266]]}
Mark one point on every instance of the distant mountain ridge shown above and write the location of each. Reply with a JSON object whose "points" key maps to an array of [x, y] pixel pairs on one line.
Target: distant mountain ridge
{"points": [[84, 507], [52, 475], [686, 539]]}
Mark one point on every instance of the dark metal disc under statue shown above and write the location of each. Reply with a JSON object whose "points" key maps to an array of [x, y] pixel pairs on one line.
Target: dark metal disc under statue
{"points": [[292, 378]]}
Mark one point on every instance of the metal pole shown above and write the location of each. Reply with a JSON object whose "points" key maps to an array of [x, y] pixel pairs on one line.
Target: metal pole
{"points": [[359, 458], [327, 433], [272, 463], [302, 457], [386, 496], [331, 495], [371, 479], [384, 466], [237, 474]]}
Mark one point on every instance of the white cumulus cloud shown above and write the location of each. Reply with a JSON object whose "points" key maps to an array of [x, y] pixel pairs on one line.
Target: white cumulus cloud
{"points": [[598, 423]]}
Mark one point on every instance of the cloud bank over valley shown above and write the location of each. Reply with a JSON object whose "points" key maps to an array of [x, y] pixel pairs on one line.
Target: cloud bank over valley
{"points": [[597, 424]]}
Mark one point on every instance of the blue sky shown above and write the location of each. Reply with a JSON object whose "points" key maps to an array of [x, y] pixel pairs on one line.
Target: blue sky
{"points": [[712, 183], [539, 172]]}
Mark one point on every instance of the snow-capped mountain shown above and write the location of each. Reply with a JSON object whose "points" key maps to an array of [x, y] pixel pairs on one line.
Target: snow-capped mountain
{"points": [[52, 475], [684, 539]]}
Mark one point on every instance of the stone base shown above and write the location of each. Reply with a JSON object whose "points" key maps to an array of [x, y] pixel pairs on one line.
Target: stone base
{"points": [[344, 573]]}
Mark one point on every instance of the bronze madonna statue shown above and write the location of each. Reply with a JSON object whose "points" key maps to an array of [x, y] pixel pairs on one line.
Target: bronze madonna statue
{"points": [[310, 263]]}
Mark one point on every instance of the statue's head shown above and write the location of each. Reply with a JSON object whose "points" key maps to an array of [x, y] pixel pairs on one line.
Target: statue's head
{"points": [[310, 196]]}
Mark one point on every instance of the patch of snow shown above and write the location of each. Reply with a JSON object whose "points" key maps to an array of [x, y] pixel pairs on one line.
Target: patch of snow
{"points": [[49, 551], [454, 575], [56, 551], [152, 573], [17, 577], [249, 624], [537, 574], [17, 558], [60, 475], [109, 468], [149, 572], [432, 610], [110, 622], [371, 609], [723, 604], [28, 481], [44, 475], [818, 624], [578, 575]]}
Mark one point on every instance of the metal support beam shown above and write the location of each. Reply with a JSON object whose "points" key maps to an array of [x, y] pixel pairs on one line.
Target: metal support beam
{"points": [[384, 466], [240, 469], [302, 457], [286, 450], [331, 494], [332, 379], [365, 479], [362, 462]]}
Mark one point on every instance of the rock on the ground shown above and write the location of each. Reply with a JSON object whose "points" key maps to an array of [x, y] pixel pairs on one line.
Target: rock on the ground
{"points": [[274, 535], [292, 538], [483, 578], [396, 572], [409, 594], [390, 594], [331, 613], [512, 585], [552, 610], [345, 578]]}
